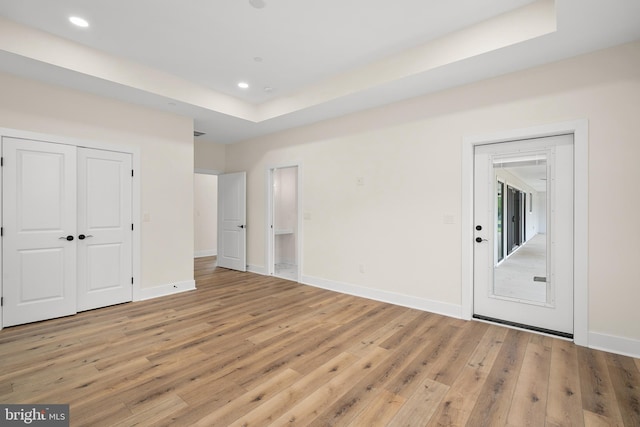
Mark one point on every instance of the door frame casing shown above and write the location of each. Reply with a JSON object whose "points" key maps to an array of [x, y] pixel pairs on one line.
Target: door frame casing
{"points": [[269, 237], [580, 130], [135, 205]]}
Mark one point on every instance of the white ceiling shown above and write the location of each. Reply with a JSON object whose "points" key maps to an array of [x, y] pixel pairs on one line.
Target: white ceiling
{"points": [[321, 59]]}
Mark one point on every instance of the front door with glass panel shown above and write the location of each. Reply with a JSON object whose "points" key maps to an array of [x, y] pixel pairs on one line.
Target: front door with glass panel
{"points": [[523, 219]]}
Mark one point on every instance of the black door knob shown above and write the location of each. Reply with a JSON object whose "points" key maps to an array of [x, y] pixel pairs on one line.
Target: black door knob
{"points": [[479, 239], [81, 237], [69, 238], [478, 227]]}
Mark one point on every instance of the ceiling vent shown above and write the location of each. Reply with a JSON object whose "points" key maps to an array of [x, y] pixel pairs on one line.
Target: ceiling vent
{"points": [[196, 133]]}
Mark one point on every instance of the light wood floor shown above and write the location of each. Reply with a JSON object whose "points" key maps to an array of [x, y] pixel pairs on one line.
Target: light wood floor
{"points": [[249, 350]]}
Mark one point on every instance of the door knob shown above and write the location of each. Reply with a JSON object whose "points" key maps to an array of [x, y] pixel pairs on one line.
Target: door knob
{"points": [[480, 240], [241, 226], [82, 236], [69, 238]]}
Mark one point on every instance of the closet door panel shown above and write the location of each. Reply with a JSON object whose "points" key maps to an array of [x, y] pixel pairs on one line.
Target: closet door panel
{"points": [[104, 224], [39, 225]]}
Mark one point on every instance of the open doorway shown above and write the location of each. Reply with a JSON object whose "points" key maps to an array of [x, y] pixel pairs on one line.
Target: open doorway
{"points": [[205, 212], [284, 224]]}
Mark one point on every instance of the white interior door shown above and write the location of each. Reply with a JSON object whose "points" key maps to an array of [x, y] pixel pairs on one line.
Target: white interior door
{"points": [[104, 228], [39, 225], [533, 285], [232, 229]]}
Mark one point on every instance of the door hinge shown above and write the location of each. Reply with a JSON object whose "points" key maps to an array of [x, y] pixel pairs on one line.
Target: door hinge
{"points": [[1, 231], [132, 280], [131, 172], [1, 161], [131, 227], [1, 301]]}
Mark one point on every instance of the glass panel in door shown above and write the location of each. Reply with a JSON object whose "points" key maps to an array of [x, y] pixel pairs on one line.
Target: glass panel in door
{"points": [[522, 274]]}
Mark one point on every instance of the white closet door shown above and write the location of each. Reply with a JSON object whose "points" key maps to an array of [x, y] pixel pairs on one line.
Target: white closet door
{"points": [[39, 225], [104, 228]]}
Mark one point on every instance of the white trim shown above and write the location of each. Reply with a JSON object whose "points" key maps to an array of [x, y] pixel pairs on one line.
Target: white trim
{"points": [[445, 309], [207, 171], [164, 290], [580, 129], [135, 187], [613, 344], [263, 271], [205, 253]]}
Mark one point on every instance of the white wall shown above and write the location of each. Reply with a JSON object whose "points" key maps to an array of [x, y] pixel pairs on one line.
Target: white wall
{"points": [[205, 215], [394, 236], [166, 150], [209, 157]]}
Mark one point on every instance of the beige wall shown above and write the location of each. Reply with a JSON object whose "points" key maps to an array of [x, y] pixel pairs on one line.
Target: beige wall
{"points": [[409, 158], [205, 214], [209, 157], [166, 159]]}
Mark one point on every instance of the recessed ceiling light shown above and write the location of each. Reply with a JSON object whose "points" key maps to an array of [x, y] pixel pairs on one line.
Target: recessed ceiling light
{"points": [[79, 22], [258, 59], [268, 89], [243, 85]]}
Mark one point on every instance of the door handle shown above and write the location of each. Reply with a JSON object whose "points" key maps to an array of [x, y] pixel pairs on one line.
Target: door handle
{"points": [[241, 226], [480, 240], [68, 238], [82, 236]]}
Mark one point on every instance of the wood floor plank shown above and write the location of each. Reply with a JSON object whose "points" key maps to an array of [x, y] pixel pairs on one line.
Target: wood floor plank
{"points": [[362, 393], [447, 366], [245, 349], [286, 399], [421, 405], [564, 404], [363, 346], [625, 379], [528, 405], [424, 362], [597, 391], [235, 409], [465, 390], [494, 402], [310, 408], [380, 412]]}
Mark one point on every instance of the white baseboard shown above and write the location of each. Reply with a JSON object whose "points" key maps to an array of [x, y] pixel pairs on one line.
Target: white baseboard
{"points": [[204, 253], [164, 290], [257, 269], [613, 344], [446, 309]]}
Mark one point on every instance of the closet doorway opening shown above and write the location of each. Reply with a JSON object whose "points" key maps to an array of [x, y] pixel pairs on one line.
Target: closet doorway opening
{"points": [[283, 223]]}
